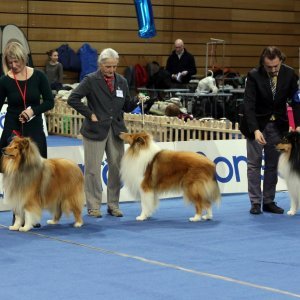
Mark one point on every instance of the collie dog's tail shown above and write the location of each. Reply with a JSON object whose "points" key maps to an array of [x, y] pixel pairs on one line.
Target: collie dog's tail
{"points": [[203, 193], [212, 191]]}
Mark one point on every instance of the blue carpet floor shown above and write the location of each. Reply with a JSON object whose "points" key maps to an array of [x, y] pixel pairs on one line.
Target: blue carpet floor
{"points": [[57, 140], [234, 256]]}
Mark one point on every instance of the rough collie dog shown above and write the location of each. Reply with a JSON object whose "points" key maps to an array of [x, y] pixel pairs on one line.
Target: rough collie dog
{"points": [[289, 167], [32, 183], [149, 171]]}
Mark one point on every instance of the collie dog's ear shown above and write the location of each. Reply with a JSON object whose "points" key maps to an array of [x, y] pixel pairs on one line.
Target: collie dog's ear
{"points": [[140, 140], [126, 137], [24, 143], [122, 135]]}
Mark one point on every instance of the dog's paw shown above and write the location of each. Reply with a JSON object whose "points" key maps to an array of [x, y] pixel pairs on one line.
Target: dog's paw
{"points": [[77, 224], [25, 228], [207, 217], [196, 218], [52, 222], [291, 212], [141, 218], [14, 228]]}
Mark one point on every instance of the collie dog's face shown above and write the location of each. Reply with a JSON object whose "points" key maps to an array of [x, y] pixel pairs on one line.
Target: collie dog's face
{"points": [[16, 147], [289, 141], [21, 152], [136, 140]]}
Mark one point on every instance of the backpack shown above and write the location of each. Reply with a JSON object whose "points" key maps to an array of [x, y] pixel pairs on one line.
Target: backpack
{"points": [[68, 58], [88, 57], [141, 76]]}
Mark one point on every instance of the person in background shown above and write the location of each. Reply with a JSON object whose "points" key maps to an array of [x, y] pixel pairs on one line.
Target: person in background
{"points": [[54, 70], [160, 78], [181, 64], [268, 88], [28, 95], [108, 98]]}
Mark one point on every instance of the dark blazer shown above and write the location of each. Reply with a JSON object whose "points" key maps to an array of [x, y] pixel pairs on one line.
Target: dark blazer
{"points": [[108, 107], [185, 63], [259, 104]]}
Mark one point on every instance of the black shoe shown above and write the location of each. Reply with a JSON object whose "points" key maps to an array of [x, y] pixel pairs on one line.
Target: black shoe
{"points": [[37, 225], [255, 209], [273, 208]]}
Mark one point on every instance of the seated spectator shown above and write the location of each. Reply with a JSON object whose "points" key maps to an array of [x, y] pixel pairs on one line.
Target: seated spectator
{"points": [[159, 78], [181, 64], [54, 71]]}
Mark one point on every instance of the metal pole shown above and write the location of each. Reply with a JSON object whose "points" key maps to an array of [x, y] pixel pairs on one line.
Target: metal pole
{"points": [[216, 42]]}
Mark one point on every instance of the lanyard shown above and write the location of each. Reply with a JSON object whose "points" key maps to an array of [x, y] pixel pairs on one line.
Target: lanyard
{"points": [[23, 93]]}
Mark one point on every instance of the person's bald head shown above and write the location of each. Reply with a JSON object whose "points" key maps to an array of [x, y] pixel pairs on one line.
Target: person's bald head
{"points": [[179, 46]]}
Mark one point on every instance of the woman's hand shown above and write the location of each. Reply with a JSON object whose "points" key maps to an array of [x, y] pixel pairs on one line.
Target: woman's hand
{"points": [[142, 98], [26, 115]]}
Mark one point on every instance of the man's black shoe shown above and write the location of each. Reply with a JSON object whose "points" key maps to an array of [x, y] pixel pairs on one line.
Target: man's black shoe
{"points": [[272, 208], [255, 209]]}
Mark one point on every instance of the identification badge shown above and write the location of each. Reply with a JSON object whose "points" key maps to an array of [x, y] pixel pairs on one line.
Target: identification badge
{"points": [[119, 93]]}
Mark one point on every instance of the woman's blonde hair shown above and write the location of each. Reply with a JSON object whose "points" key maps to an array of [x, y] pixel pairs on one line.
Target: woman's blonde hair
{"points": [[13, 50]]}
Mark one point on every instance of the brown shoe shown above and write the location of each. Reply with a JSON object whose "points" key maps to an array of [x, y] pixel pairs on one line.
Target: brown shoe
{"points": [[255, 209], [94, 213], [114, 211]]}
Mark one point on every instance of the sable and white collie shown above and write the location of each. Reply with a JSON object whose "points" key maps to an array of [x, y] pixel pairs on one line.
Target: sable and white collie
{"points": [[149, 171], [289, 167], [32, 183]]}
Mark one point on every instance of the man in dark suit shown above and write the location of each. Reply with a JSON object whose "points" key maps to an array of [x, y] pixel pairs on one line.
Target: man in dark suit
{"points": [[268, 88], [108, 98], [181, 64]]}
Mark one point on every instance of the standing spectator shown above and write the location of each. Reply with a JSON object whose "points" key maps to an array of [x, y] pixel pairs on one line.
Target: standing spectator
{"points": [[54, 71], [268, 88], [108, 98], [181, 64], [23, 87]]}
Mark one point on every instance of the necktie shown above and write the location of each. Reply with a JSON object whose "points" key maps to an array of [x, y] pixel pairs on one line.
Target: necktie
{"points": [[110, 83], [273, 81]]}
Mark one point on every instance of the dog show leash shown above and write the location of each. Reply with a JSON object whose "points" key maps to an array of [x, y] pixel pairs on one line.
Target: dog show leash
{"points": [[142, 99], [23, 95]]}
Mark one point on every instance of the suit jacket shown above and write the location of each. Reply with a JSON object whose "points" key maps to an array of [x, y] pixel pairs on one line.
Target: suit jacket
{"points": [[108, 107], [259, 104]]}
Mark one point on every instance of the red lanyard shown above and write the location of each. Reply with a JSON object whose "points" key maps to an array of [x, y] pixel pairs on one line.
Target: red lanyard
{"points": [[23, 93]]}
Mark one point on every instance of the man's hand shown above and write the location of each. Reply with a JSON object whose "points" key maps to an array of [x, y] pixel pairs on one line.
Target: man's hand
{"points": [[259, 137], [94, 118]]}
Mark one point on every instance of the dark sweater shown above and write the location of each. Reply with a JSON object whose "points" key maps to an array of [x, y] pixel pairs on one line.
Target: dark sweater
{"points": [[185, 63], [38, 96]]}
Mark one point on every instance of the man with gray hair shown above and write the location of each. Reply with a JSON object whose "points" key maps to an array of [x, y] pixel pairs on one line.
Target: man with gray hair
{"points": [[181, 64], [108, 98]]}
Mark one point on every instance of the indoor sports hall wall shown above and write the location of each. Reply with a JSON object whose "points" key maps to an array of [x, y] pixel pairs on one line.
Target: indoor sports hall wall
{"points": [[246, 26]]}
